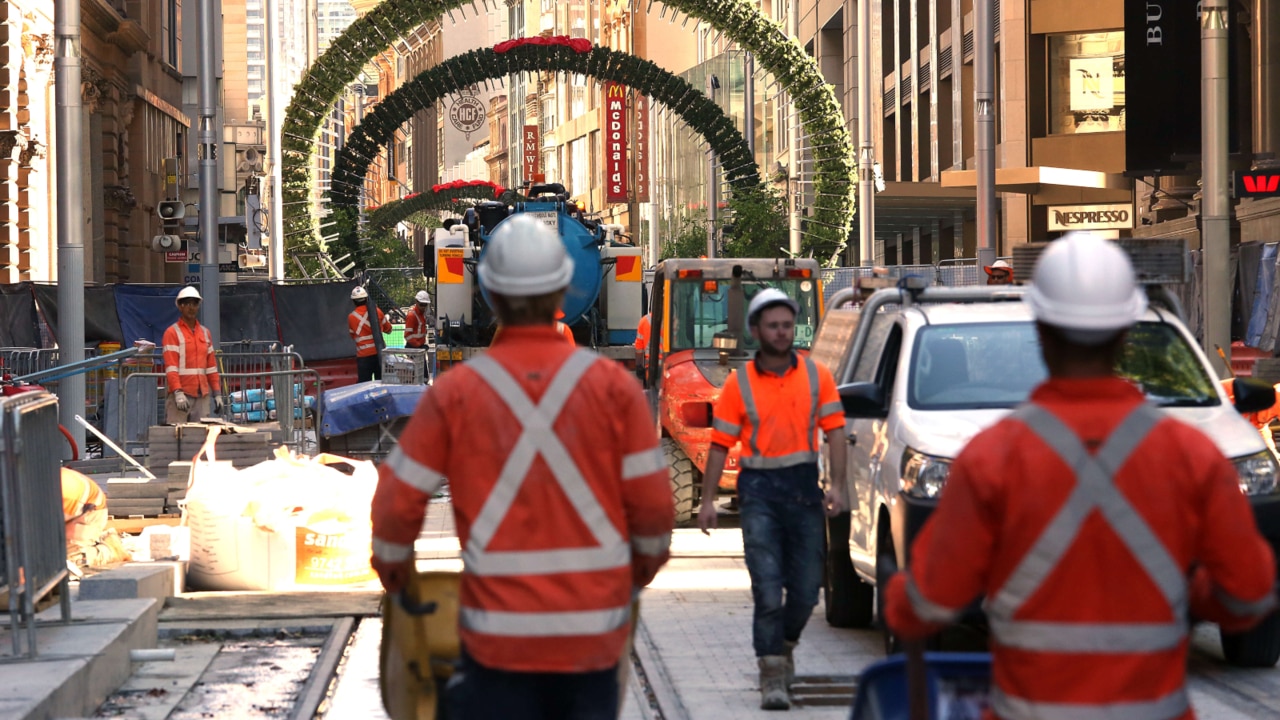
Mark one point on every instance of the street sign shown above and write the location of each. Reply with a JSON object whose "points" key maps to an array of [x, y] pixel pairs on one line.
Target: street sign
{"points": [[178, 256], [1257, 184]]}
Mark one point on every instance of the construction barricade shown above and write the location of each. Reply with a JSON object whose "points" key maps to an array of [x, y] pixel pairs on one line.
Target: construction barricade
{"points": [[33, 545]]}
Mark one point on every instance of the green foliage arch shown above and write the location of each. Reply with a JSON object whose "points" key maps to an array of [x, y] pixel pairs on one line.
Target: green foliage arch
{"points": [[443, 197]]}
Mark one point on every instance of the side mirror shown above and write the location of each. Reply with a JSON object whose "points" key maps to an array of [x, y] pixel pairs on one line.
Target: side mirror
{"points": [[1253, 395], [863, 400]]}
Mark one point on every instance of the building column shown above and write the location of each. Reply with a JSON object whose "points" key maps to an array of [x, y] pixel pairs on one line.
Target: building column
{"points": [[1266, 83]]}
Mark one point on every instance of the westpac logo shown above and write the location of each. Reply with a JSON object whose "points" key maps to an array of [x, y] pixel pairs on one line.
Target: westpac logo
{"points": [[1256, 184]]}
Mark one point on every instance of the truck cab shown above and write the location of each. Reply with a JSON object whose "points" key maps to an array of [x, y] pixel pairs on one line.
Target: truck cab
{"points": [[689, 362], [929, 368]]}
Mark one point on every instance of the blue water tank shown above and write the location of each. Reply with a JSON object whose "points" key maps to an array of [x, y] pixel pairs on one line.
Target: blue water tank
{"points": [[581, 245]]}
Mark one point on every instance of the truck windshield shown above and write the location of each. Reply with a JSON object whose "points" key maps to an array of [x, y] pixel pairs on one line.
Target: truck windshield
{"points": [[700, 309], [996, 365]]}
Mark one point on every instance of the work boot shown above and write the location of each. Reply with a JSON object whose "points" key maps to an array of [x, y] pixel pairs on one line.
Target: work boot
{"points": [[773, 683], [790, 648]]}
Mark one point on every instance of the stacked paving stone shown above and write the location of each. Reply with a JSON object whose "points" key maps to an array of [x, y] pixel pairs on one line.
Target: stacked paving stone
{"points": [[242, 447]]}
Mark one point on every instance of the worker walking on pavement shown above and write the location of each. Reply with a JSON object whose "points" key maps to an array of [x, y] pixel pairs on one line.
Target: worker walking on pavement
{"points": [[1093, 523], [560, 496], [642, 345], [362, 334], [775, 405], [190, 364], [416, 323]]}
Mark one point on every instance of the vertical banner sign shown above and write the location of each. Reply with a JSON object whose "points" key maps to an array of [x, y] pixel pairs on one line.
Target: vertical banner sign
{"points": [[530, 152], [615, 142], [640, 149], [1161, 85]]}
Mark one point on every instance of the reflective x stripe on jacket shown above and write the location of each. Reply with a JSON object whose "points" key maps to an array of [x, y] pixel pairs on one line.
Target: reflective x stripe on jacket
{"points": [[190, 364], [415, 328], [752, 454], [361, 330]]}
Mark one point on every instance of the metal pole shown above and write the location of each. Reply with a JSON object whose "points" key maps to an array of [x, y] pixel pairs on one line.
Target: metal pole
{"points": [[793, 157], [984, 125], [274, 217], [364, 200], [208, 139], [1215, 208], [711, 185], [749, 102], [866, 152], [72, 220]]}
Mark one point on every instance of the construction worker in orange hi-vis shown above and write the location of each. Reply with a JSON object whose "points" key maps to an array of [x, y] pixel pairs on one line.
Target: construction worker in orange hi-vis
{"points": [[642, 342], [776, 404], [416, 323], [565, 331], [367, 362], [190, 364], [564, 511], [1261, 419], [1093, 523]]}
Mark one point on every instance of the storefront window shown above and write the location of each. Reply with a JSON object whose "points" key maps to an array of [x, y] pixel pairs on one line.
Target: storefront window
{"points": [[1086, 83]]}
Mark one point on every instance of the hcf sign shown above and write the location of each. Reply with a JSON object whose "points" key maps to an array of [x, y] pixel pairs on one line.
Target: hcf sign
{"points": [[1257, 184]]}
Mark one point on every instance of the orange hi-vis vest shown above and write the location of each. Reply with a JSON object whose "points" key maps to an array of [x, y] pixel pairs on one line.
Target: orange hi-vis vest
{"points": [[415, 328], [551, 497], [777, 417], [362, 332], [1083, 556], [79, 491], [190, 364]]}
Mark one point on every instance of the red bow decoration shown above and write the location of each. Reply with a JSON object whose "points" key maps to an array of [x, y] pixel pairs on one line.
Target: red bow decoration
{"points": [[578, 45]]}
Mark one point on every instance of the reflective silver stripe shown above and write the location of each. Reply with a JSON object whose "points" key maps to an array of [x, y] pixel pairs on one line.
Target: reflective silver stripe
{"points": [[190, 371], [831, 408], [926, 609], [171, 348], [1165, 708], [545, 624], [413, 473], [391, 552], [651, 544], [1245, 608], [757, 462], [171, 368], [182, 349], [726, 427], [749, 406], [1094, 638], [539, 438], [812, 371], [1095, 489], [645, 462]]}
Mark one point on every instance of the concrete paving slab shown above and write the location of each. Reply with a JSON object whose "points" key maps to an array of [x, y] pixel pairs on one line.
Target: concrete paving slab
{"points": [[153, 580], [155, 689], [357, 601]]}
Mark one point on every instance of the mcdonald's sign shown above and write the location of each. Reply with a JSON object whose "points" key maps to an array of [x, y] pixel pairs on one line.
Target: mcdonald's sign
{"points": [[615, 142], [640, 149]]}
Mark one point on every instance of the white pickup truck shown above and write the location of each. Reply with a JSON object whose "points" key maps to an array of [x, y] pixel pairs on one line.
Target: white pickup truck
{"points": [[923, 370]]}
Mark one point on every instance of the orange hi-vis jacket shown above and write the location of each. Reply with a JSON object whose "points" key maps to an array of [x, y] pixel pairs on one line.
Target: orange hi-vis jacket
{"points": [[642, 334], [566, 332], [777, 417], [1080, 518], [362, 333], [78, 493], [556, 479], [190, 364], [415, 328]]}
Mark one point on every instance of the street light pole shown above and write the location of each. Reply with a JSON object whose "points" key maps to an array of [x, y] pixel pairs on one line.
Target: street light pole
{"points": [[793, 140], [72, 227], [984, 134], [207, 139], [1215, 213], [274, 217], [866, 152]]}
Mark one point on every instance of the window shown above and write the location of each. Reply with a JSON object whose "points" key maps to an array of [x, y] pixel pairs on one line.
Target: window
{"points": [[700, 309], [171, 33], [579, 167], [1086, 82]]}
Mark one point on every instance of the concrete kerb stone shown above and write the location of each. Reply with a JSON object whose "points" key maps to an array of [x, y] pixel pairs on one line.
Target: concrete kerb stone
{"points": [[150, 580]]}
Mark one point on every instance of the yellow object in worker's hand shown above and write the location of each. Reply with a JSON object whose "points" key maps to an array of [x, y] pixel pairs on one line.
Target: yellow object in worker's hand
{"points": [[420, 645]]}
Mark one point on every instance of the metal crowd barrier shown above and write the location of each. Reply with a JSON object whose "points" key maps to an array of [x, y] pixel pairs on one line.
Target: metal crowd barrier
{"points": [[33, 545]]}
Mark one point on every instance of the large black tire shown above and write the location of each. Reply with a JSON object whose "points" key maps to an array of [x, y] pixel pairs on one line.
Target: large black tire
{"points": [[686, 482], [849, 602], [1259, 647], [886, 566]]}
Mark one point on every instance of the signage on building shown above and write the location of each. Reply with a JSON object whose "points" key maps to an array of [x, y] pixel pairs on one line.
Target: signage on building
{"points": [[1162, 85], [175, 256], [467, 114], [1113, 216], [1092, 84], [530, 151], [1257, 184], [615, 142], [640, 148]]}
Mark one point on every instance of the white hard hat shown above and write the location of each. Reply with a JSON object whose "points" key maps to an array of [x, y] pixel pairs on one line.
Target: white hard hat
{"points": [[187, 293], [1085, 285], [359, 293], [524, 258], [422, 297], [767, 298]]}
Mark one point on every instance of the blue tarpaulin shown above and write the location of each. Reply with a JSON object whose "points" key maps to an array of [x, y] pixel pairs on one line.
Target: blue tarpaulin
{"points": [[1262, 295], [363, 405], [146, 311]]}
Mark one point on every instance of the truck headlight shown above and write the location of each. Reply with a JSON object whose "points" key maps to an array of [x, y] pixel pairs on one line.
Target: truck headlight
{"points": [[924, 475], [1257, 473]]}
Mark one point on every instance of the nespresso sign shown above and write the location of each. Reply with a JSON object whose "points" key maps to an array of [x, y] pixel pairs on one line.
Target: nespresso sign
{"points": [[1118, 216]]}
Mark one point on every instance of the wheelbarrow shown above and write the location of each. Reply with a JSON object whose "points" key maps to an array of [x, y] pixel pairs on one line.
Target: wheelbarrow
{"points": [[953, 686]]}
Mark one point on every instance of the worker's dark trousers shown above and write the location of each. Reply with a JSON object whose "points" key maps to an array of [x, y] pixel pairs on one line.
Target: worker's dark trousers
{"points": [[479, 693], [367, 367]]}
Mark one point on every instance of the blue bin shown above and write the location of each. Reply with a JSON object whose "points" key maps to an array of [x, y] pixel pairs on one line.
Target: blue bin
{"points": [[958, 685]]}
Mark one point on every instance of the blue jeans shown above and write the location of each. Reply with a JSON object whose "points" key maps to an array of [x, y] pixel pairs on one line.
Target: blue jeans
{"points": [[476, 692], [784, 541]]}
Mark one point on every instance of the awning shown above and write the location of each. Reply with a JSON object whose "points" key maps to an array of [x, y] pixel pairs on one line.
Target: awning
{"points": [[1029, 179]]}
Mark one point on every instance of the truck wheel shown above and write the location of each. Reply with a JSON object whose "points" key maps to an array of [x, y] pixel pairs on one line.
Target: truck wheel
{"points": [[849, 601], [886, 566], [1259, 647], [686, 481]]}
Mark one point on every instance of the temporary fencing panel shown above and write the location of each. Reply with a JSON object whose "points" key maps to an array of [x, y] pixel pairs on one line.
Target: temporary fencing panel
{"points": [[101, 322], [247, 312], [18, 319], [33, 549], [146, 311], [1260, 298], [313, 319]]}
